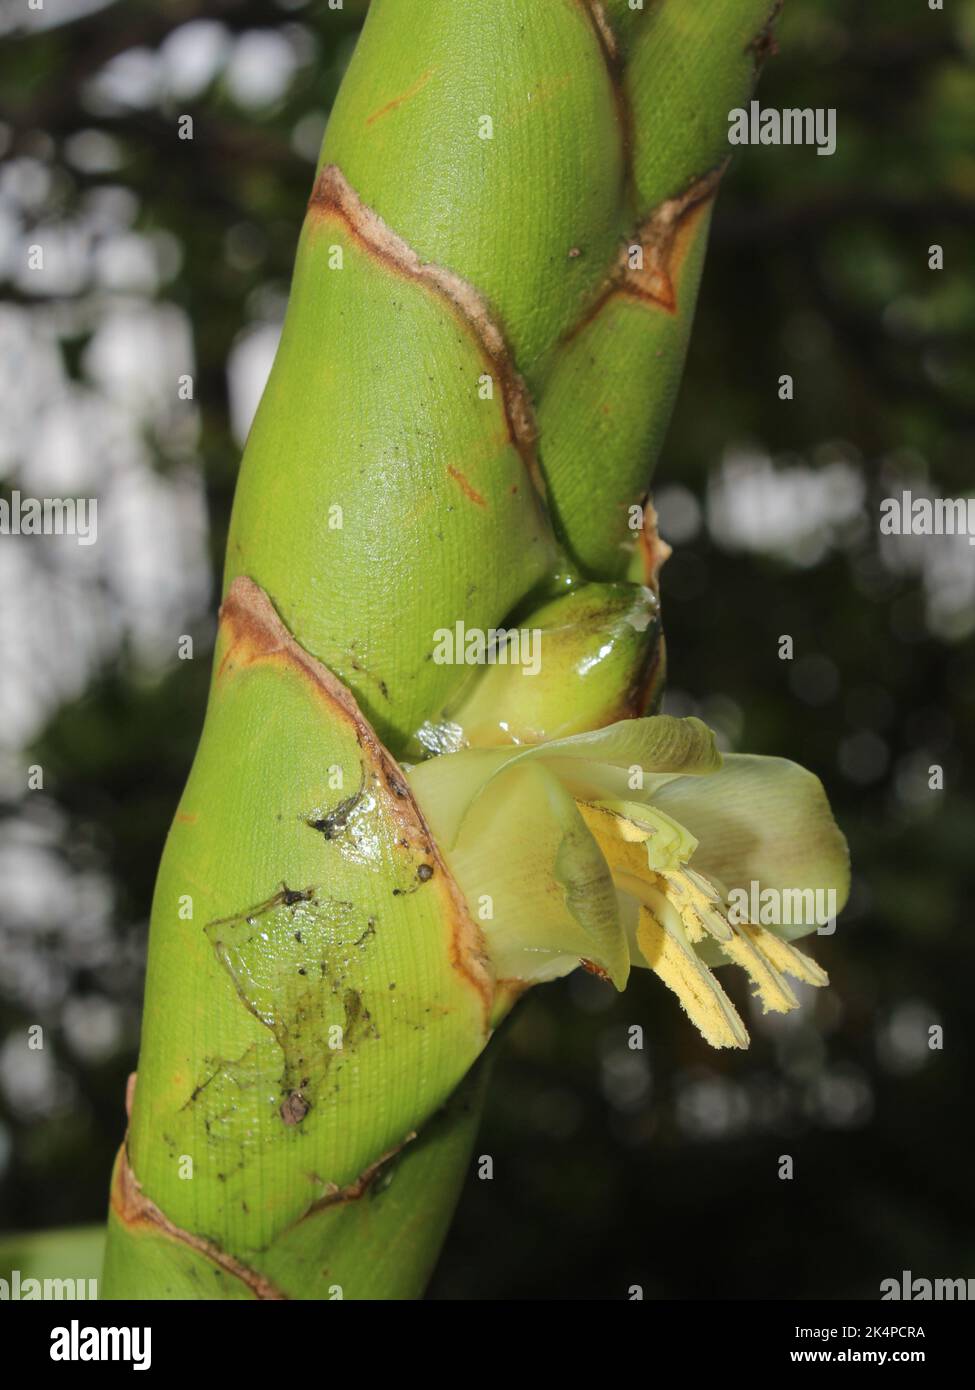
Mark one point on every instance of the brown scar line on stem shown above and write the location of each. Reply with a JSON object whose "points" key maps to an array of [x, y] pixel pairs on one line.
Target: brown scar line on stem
{"points": [[333, 1195], [335, 821], [333, 196], [136, 1211], [284, 897]]}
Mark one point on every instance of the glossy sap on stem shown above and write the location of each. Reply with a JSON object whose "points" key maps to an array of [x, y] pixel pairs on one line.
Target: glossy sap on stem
{"points": [[583, 660]]}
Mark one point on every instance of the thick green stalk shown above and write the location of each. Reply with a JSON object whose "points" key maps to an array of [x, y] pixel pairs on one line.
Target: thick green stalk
{"points": [[491, 302]]}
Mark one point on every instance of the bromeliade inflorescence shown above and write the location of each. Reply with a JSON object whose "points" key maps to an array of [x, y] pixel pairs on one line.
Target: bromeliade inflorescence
{"points": [[623, 847], [485, 335]]}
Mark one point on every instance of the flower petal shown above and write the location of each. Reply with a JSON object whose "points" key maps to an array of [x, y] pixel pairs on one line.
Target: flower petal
{"points": [[525, 848], [764, 821], [658, 743], [447, 786], [591, 765]]}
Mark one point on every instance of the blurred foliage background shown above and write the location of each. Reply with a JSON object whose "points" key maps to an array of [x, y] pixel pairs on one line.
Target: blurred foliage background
{"points": [[168, 256]]}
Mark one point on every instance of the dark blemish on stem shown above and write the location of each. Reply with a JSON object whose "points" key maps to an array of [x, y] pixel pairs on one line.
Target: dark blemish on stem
{"points": [[369, 931], [394, 784], [285, 897], [333, 824], [294, 1108], [355, 1012]]}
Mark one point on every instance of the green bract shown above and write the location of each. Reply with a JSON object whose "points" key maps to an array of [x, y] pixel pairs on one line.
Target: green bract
{"points": [[594, 655], [487, 325], [304, 939]]}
